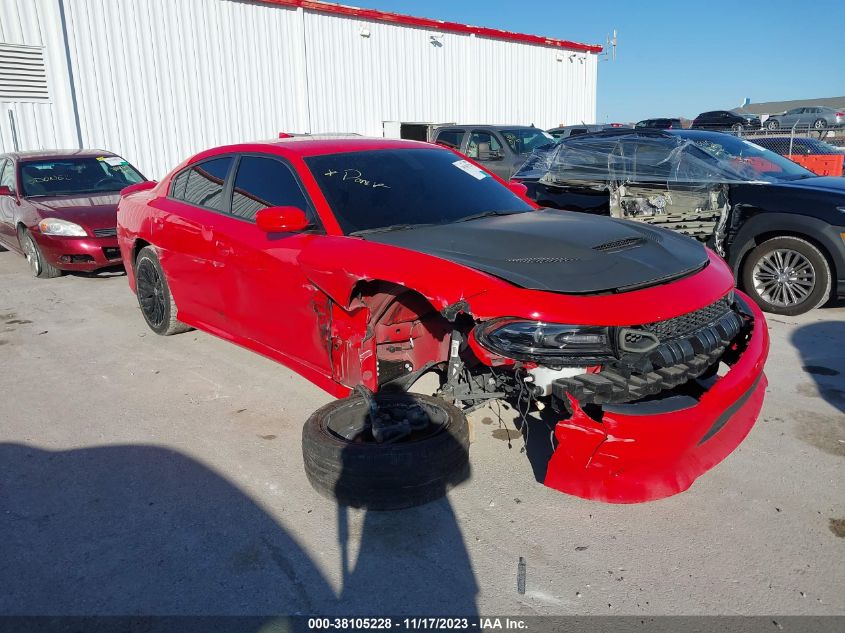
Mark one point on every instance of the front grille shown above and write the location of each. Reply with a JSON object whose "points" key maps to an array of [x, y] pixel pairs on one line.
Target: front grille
{"points": [[105, 232], [623, 243], [690, 322]]}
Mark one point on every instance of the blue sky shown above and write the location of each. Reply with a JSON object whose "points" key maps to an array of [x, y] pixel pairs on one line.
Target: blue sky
{"points": [[677, 58]]}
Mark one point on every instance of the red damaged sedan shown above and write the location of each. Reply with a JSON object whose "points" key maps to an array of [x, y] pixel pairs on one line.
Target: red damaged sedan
{"points": [[58, 208], [364, 262]]}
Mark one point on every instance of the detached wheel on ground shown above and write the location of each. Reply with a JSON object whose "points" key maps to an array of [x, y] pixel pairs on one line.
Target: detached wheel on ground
{"points": [[787, 275], [154, 296], [38, 264], [424, 450]]}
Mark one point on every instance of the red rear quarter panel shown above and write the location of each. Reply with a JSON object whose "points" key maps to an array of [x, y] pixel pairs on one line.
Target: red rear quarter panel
{"points": [[134, 222]]}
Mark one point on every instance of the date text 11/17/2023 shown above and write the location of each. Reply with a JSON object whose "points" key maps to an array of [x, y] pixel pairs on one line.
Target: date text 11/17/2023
{"points": [[417, 623]]}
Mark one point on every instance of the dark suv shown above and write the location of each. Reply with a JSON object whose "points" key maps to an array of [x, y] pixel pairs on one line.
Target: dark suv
{"points": [[778, 225], [501, 149], [726, 120]]}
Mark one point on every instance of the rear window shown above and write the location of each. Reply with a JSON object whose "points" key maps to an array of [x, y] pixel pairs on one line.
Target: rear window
{"points": [[74, 176]]}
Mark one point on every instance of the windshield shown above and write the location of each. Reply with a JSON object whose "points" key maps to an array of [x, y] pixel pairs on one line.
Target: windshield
{"points": [[751, 161], [376, 189], [527, 140], [70, 176]]}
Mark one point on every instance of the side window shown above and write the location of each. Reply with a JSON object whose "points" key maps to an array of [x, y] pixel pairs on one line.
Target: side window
{"points": [[483, 146], [450, 138], [205, 183], [264, 182], [177, 185], [7, 174]]}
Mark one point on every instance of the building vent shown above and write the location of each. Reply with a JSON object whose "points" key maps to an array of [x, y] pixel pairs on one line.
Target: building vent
{"points": [[23, 75]]}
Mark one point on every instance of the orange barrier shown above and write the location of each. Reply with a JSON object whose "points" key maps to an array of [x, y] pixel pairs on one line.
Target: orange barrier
{"points": [[821, 164]]}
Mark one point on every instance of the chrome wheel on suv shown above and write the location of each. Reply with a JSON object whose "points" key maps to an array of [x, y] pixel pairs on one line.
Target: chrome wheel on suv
{"points": [[784, 277], [787, 275]]}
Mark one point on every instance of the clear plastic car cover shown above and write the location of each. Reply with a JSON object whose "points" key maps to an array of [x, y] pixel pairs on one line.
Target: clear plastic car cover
{"points": [[669, 181], [636, 158]]}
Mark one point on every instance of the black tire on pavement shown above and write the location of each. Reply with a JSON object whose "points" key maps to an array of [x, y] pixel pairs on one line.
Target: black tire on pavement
{"points": [[154, 296], [772, 124], [796, 254], [737, 127], [819, 124], [390, 476], [38, 264]]}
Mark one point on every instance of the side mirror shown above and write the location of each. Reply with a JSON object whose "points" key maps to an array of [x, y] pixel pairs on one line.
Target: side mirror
{"points": [[518, 188], [5, 191], [138, 186], [281, 220]]}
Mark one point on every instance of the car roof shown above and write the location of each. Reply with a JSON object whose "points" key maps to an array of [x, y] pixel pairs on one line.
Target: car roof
{"points": [[486, 126], [56, 154], [315, 146]]}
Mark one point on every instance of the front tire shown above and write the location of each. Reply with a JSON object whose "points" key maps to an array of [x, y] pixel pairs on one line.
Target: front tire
{"points": [[772, 124], [154, 296], [737, 127], [38, 264], [787, 275]]}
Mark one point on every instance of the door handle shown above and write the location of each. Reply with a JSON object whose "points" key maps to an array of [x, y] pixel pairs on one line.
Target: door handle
{"points": [[223, 249]]}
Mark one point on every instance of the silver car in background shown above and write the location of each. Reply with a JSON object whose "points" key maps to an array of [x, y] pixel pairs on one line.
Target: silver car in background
{"points": [[815, 117]]}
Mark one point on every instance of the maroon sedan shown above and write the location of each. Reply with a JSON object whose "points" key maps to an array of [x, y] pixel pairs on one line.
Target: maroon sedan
{"points": [[59, 208]]}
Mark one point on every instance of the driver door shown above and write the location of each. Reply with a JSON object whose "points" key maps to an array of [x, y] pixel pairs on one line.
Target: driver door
{"points": [[266, 296]]}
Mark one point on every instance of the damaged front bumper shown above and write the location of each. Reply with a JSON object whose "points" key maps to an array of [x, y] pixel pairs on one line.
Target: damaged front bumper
{"points": [[654, 448]]}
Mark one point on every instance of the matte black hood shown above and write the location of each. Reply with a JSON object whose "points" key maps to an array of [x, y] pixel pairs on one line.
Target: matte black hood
{"points": [[558, 251]]}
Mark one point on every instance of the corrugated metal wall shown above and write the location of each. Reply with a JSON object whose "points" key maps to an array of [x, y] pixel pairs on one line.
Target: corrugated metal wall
{"points": [[158, 80], [38, 124], [398, 73]]}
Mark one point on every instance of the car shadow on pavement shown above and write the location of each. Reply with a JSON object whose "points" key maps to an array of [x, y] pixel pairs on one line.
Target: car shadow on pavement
{"points": [[111, 271], [141, 530], [820, 345], [144, 530], [821, 376], [412, 561]]}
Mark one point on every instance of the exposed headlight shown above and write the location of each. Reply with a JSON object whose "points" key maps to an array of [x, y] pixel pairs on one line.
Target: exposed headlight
{"points": [[55, 226], [535, 340]]}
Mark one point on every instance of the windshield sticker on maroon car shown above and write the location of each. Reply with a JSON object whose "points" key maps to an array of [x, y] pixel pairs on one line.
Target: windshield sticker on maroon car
{"points": [[472, 170], [356, 176], [114, 161]]}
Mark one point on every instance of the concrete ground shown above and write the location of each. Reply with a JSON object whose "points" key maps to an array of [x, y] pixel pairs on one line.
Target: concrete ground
{"points": [[150, 475]]}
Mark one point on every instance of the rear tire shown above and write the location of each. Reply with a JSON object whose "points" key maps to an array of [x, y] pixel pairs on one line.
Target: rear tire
{"points": [[38, 264], [787, 275], [389, 476], [819, 124], [154, 296], [737, 127], [772, 124]]}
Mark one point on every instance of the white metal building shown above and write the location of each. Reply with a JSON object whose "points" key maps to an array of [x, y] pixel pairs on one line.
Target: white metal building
{"points": [[158, 80]]}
